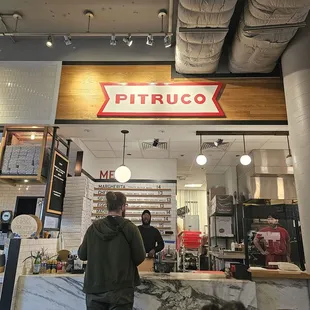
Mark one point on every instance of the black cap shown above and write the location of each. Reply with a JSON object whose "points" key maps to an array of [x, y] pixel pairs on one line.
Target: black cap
{"points": [[146, 211]]}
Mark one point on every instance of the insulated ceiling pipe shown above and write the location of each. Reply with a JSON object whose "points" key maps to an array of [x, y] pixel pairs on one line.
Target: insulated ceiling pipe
{"points": [[265, 29], [199, 52], [296, 76]]}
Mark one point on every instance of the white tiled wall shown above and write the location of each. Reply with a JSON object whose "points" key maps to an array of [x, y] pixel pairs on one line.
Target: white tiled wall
{"points": [[28, 245], [29, 92], [9, 193], [76, 216]]}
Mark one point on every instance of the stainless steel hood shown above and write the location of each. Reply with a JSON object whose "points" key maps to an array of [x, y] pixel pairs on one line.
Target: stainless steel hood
{"points": [[267, 177]]}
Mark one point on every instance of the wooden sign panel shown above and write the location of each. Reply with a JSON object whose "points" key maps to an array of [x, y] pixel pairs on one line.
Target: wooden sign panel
{"points": [[81, 95], [58, 184]]}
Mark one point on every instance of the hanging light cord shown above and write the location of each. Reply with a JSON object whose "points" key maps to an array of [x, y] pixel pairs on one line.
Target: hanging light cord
{"points": [[244, 150], [200, 145], [88, 26], [124, 149], [289, 147]]}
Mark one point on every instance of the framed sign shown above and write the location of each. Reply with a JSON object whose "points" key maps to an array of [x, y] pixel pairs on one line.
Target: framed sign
{"points": [[190, 99], [58, 184], [51, 222]]}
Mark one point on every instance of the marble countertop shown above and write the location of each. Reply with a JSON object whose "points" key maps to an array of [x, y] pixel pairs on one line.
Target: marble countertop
{"points": [[190, 276]]}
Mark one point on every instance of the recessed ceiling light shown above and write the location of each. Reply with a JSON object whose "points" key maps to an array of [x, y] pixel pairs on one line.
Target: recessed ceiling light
{"points": [[193, 185], [26, 181], [33, 136]]}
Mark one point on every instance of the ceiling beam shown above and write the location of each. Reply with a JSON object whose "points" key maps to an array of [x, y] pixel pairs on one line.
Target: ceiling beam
{"points": [[242, 133]]}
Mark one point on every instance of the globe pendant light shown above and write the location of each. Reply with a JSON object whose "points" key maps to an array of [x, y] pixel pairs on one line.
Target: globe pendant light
{"points": [[123, 173], [289, 158], [245, 159], [201, 159]]}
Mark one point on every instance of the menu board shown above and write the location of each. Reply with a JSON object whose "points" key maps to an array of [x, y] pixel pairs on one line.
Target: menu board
{"points": [[58, 184], [159, 198]]}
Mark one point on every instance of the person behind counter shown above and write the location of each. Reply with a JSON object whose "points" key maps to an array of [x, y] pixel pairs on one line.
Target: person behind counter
{"points": [[113, 248], [152, 239], [273, 241]]}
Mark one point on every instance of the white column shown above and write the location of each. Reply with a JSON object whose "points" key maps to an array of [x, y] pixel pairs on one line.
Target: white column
{"points": [[296, 77]]}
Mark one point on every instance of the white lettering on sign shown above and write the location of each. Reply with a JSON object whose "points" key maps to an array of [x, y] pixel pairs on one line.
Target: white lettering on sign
{"points": [[161, 100]]}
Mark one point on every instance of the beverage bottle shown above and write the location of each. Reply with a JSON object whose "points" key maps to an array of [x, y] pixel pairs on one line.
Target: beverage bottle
{"points": [[37, 265]]}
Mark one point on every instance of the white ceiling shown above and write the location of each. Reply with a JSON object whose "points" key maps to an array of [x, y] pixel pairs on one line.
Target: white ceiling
{"points": [[67, 16], [106, 141]]}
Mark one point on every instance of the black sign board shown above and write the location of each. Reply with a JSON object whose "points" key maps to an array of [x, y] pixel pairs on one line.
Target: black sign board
{"points": [[58, 184]]}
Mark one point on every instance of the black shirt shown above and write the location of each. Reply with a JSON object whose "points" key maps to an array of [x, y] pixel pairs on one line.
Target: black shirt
{"points": [[152, 238]]}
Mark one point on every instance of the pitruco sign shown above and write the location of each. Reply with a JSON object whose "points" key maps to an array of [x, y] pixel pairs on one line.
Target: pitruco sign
{"points": [[161, 100]]}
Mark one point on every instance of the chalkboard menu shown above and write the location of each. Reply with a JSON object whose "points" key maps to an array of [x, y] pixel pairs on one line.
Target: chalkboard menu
{"points": [[58, 184]]}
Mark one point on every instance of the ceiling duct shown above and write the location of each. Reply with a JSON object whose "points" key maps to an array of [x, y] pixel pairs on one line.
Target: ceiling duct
{"points": [[199, 52], [161, 146], [274, 23], [210, 146]]}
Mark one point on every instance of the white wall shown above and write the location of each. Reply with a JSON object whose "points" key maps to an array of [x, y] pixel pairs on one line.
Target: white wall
{"points": [[214, 180], [231, 180], [9, 194], [29, 92], [154, 169], [183, 196]]}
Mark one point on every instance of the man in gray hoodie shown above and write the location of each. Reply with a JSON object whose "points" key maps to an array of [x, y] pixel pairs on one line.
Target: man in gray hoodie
{"points": [[113, 248]]}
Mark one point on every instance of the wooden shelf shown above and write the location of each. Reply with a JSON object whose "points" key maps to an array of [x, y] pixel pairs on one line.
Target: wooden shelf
{"points": [[137, 202], [138, 208], [136, 215], [133, 189], [142, 196]]}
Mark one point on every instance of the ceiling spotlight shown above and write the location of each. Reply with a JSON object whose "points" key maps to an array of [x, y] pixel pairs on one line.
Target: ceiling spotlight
{"points": [[149, 40], [33, 136], [245, 159], [218, 142], [113, 40], [201, 159], [128, 41], [167, 41], [156, 142], [68, 40], [49, 42]]}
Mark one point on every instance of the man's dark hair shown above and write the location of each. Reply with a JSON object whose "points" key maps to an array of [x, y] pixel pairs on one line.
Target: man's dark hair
{"points": [[211, 307], [115, 201], [273, 215], [234, 305]]}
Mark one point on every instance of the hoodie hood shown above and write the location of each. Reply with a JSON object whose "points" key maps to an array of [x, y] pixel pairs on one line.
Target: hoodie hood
{"points": [[149, 213], [104, 229]]}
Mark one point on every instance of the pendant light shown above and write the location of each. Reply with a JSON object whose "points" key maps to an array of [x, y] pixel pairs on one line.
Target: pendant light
{"points": [[245, 159], [201, 159], [123, 173], [289, 158]]}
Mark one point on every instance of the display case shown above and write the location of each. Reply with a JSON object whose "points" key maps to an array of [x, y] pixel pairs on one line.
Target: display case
{"points": [[25, 154]]}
